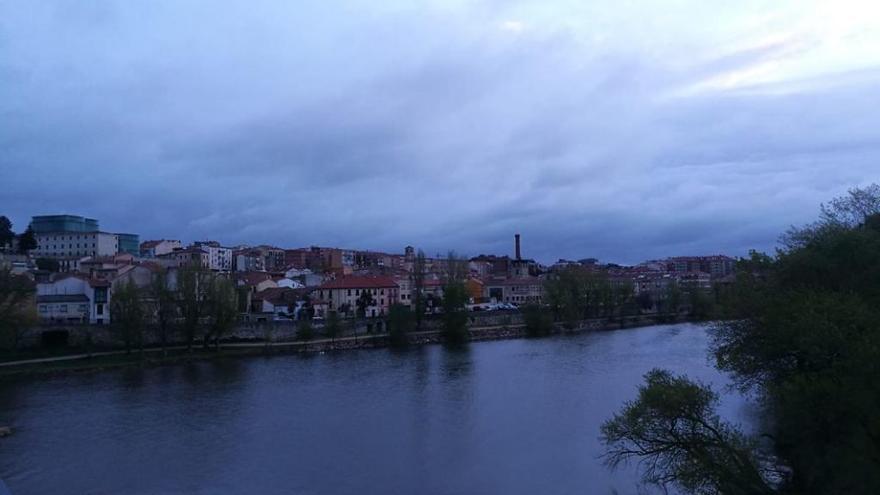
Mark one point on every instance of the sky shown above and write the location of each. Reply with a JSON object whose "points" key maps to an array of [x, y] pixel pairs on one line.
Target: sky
{"points": [[619, 130]]}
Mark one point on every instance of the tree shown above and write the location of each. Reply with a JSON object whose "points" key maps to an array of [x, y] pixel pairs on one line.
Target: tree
{"points": [[192, 283], [538, 321], [418, 295], [455, 299], [27, 241], [304, 330], [48, 264], [164, 307], [221, 306], [672, 430], [801, 333], [128, 314], [333, 327], [17, 312], [400, 324], [364, 301], [6, 234]]}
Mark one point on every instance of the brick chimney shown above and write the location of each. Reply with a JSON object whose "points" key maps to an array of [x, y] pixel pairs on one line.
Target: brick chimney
{"points": [[516, 237]]}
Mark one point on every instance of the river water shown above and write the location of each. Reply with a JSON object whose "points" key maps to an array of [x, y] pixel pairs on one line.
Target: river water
{"points": [[505, 417]]}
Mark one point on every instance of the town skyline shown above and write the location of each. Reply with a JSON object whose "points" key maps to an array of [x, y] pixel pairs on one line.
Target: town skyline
{"points": [[505, 248]]}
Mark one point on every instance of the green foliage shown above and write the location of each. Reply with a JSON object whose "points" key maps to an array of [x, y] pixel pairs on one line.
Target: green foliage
{"points": [[6, 234], [455, 316], [48, 264], [400, 324], [418, 279], [672, 430], [803, 333], [221, 307], [192, 284], [539, 322], [17, 310], [575, 293], [164, 307], [364, 301], [304, 330], [27, 241], [333, 327], [128, 314]]}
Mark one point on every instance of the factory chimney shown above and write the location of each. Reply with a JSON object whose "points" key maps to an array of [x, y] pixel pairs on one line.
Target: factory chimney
{"points": [[516, 237]]}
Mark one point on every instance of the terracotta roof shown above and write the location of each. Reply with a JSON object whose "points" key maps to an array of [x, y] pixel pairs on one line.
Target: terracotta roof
{"points": [[252, 278], [360, 283]]}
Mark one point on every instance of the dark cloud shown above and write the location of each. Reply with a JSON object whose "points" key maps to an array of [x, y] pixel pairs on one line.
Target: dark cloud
{"points": [[447, 126]]}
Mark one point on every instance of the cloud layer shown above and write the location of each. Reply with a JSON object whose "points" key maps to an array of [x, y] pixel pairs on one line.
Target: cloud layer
{"points": [[623, 132]]}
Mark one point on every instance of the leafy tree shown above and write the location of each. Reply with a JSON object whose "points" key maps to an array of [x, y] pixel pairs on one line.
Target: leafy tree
{"points": [[455, 299], [128, 313], [164, 307], [6, 234], [364, 301], [27, 241], [400, 324], [644, 300], [418, 294], [333, 327], [538, 321], [701, 304], [16, 306], [48, 264], [803, 336], [192, 284], [221, 308], [304, 330], [672, 430]]}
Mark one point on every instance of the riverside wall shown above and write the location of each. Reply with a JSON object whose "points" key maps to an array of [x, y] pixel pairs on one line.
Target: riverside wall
{"points": [[483, 326]]}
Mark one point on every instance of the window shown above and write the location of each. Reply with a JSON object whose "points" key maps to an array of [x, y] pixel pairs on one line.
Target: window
{"points": [[99, 309], [43, 308], [62, 308], [83, 308]]}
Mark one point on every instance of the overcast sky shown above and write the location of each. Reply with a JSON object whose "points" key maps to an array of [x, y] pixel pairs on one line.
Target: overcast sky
{"points": [[619, 130]]}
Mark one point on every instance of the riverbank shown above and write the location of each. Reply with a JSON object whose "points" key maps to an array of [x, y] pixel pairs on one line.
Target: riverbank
{"points": [[156, 356]]}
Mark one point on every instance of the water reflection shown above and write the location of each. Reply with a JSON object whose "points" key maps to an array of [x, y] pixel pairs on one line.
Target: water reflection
{"points": [[508, 417]]}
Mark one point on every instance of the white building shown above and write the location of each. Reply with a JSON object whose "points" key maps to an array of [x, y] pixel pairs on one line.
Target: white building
{"points": [[59, 245], [152, 249], [219, 257]]}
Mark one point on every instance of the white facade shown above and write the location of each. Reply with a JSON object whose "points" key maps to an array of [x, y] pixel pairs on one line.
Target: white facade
{"points": [[75, 244], [73, 298], [219, 258], [152, 249]]}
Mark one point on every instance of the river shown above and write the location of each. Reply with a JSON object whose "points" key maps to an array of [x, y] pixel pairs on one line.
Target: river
{"points": [[505, 417]]}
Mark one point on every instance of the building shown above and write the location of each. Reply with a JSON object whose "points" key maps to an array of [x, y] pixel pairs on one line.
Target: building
{"points": [[342, 295], [69, 247], [182, 257], [219, 257], [515, 290], [68, 238], [45, 224], [152, 249], [129, 243], [73, 298], [248, 260]]}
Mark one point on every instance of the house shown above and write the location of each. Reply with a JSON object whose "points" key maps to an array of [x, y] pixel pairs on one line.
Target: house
{"points": [[248, 260], [255, 281], [342, 295], [219, 257], [515, 290], [183, 257], [74, 298], [153, 249], [279, 302]]}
